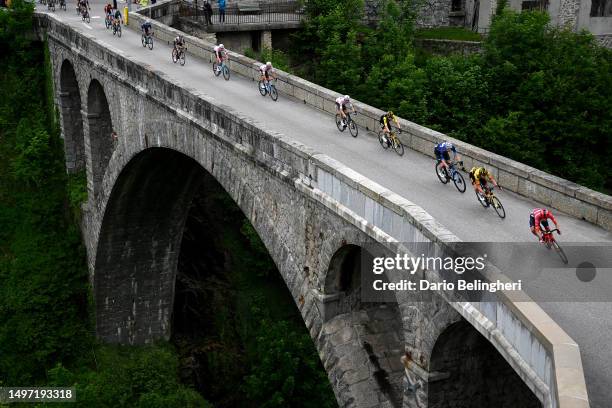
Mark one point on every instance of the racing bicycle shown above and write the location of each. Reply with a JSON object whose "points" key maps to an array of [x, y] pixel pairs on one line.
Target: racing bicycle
{"points": [[350, 124], [450, 172], [178, 55], [147, 40], [265, 88], [489, 199], [391, 140], [551, 242], [223, 68]]}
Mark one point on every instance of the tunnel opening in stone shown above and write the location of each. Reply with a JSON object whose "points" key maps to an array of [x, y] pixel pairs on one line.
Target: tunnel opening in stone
{"points": [[100, 127], [469, 372], [374, 328], [70, 104], [170, 247]]}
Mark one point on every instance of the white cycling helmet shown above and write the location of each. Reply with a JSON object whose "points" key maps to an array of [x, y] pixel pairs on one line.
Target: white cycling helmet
{"points": [[449, 145], [268, 64], [347, 98], [221, 46]]}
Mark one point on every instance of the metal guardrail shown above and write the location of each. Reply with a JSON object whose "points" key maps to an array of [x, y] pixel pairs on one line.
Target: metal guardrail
{"points": [[247, 12]]}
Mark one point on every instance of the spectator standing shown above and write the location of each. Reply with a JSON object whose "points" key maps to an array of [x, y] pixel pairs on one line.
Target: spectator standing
{"points": [[222, 11], [207, 13]]}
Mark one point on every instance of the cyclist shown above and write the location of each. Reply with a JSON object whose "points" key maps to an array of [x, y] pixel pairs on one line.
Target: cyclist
{"points": [[117, 18], [539, 217], [266, 71], [179, 44], [146, 28], [83, 6], [341, 104], [220, 54], [385, 120], [442, 153], [108, 9], [479, 176]]}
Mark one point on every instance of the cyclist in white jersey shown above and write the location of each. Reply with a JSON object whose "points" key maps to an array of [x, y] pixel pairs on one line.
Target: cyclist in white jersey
{"points": [[220, 54], [342, 103]]}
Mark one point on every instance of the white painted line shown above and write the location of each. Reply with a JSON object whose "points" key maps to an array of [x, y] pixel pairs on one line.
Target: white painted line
{"points": [[88, 26], [95, 17]]}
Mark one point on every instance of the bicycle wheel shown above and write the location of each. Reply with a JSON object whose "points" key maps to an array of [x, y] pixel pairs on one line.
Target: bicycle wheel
{"points": [[262, 88], [119, 30], [383, 142], [143, 39], [273, 93], [459, 182], [182, 58], [150, 43], [87, 18], [339, 123], [107, 23], [398, 146], [215, 70], [174, 58], [353, 129], [560, 251], [482, 199], [441, 172], [499, 208], [226, 72]]}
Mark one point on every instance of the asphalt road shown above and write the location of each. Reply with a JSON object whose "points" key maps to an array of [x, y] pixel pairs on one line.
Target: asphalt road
{"points": [[412, 176]]}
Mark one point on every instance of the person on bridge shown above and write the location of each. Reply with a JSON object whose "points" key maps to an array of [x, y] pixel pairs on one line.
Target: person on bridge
{"points": [[385, 121], [479, 176], [266, 71], [342, 103], [220, 54], [442, 152], [179, 44], [83, 6], [539, 217], [117, 18], [208, 13], [222, 11], [146, 28], [108, 9]]}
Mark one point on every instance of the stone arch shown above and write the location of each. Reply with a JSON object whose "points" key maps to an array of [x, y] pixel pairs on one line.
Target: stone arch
{"points": [[467, 369], [100, 127], [72, 119], [365, 337]]}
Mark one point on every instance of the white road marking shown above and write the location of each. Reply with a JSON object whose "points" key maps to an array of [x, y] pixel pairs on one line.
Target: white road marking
{"points": [[88, 26]]}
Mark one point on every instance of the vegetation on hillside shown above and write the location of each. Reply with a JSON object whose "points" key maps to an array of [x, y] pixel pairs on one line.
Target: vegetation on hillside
{"points": [[46, 325]]}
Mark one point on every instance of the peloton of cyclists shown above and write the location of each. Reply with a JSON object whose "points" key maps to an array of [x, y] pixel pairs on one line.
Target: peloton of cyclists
{"points": [[384, 124], [221, 55], [342, 103]]}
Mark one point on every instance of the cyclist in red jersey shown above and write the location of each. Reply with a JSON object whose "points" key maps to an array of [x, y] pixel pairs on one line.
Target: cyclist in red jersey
{"points": [[540, 216]]}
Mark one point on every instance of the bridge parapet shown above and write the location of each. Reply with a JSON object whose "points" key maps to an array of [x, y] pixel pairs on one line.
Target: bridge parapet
{"points": [[545, 357]]}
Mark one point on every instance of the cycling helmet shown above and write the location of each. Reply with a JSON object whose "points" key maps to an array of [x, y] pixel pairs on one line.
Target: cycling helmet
{"points": [[390, 114], [346, 98], [221, 46], [268, 64], [448, 145]]}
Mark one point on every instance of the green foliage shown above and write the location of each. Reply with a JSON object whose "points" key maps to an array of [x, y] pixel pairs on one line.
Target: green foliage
{"points": [[448, 33], [145, 376], [77, 190], [286, 370]]}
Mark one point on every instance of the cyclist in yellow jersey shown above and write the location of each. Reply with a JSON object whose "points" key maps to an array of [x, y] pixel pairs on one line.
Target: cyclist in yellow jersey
{"points": [[479, 176], [384, 124]]}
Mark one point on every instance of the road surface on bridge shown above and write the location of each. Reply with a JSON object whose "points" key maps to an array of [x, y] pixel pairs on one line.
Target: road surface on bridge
{"points": [[411, 176]]}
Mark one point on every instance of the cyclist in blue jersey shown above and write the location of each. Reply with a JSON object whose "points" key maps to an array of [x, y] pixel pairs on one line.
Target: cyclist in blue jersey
{"points": [[442, 152], [146, 28]]}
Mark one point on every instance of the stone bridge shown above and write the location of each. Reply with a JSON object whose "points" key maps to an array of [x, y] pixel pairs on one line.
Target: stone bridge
{"points": [[313, 215]]}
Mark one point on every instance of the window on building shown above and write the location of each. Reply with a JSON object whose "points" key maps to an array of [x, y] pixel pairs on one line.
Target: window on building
{"points": [[601, 8]]}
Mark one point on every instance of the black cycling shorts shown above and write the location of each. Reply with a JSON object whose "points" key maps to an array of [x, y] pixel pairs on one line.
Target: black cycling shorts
{"points": [[544, 223]]}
